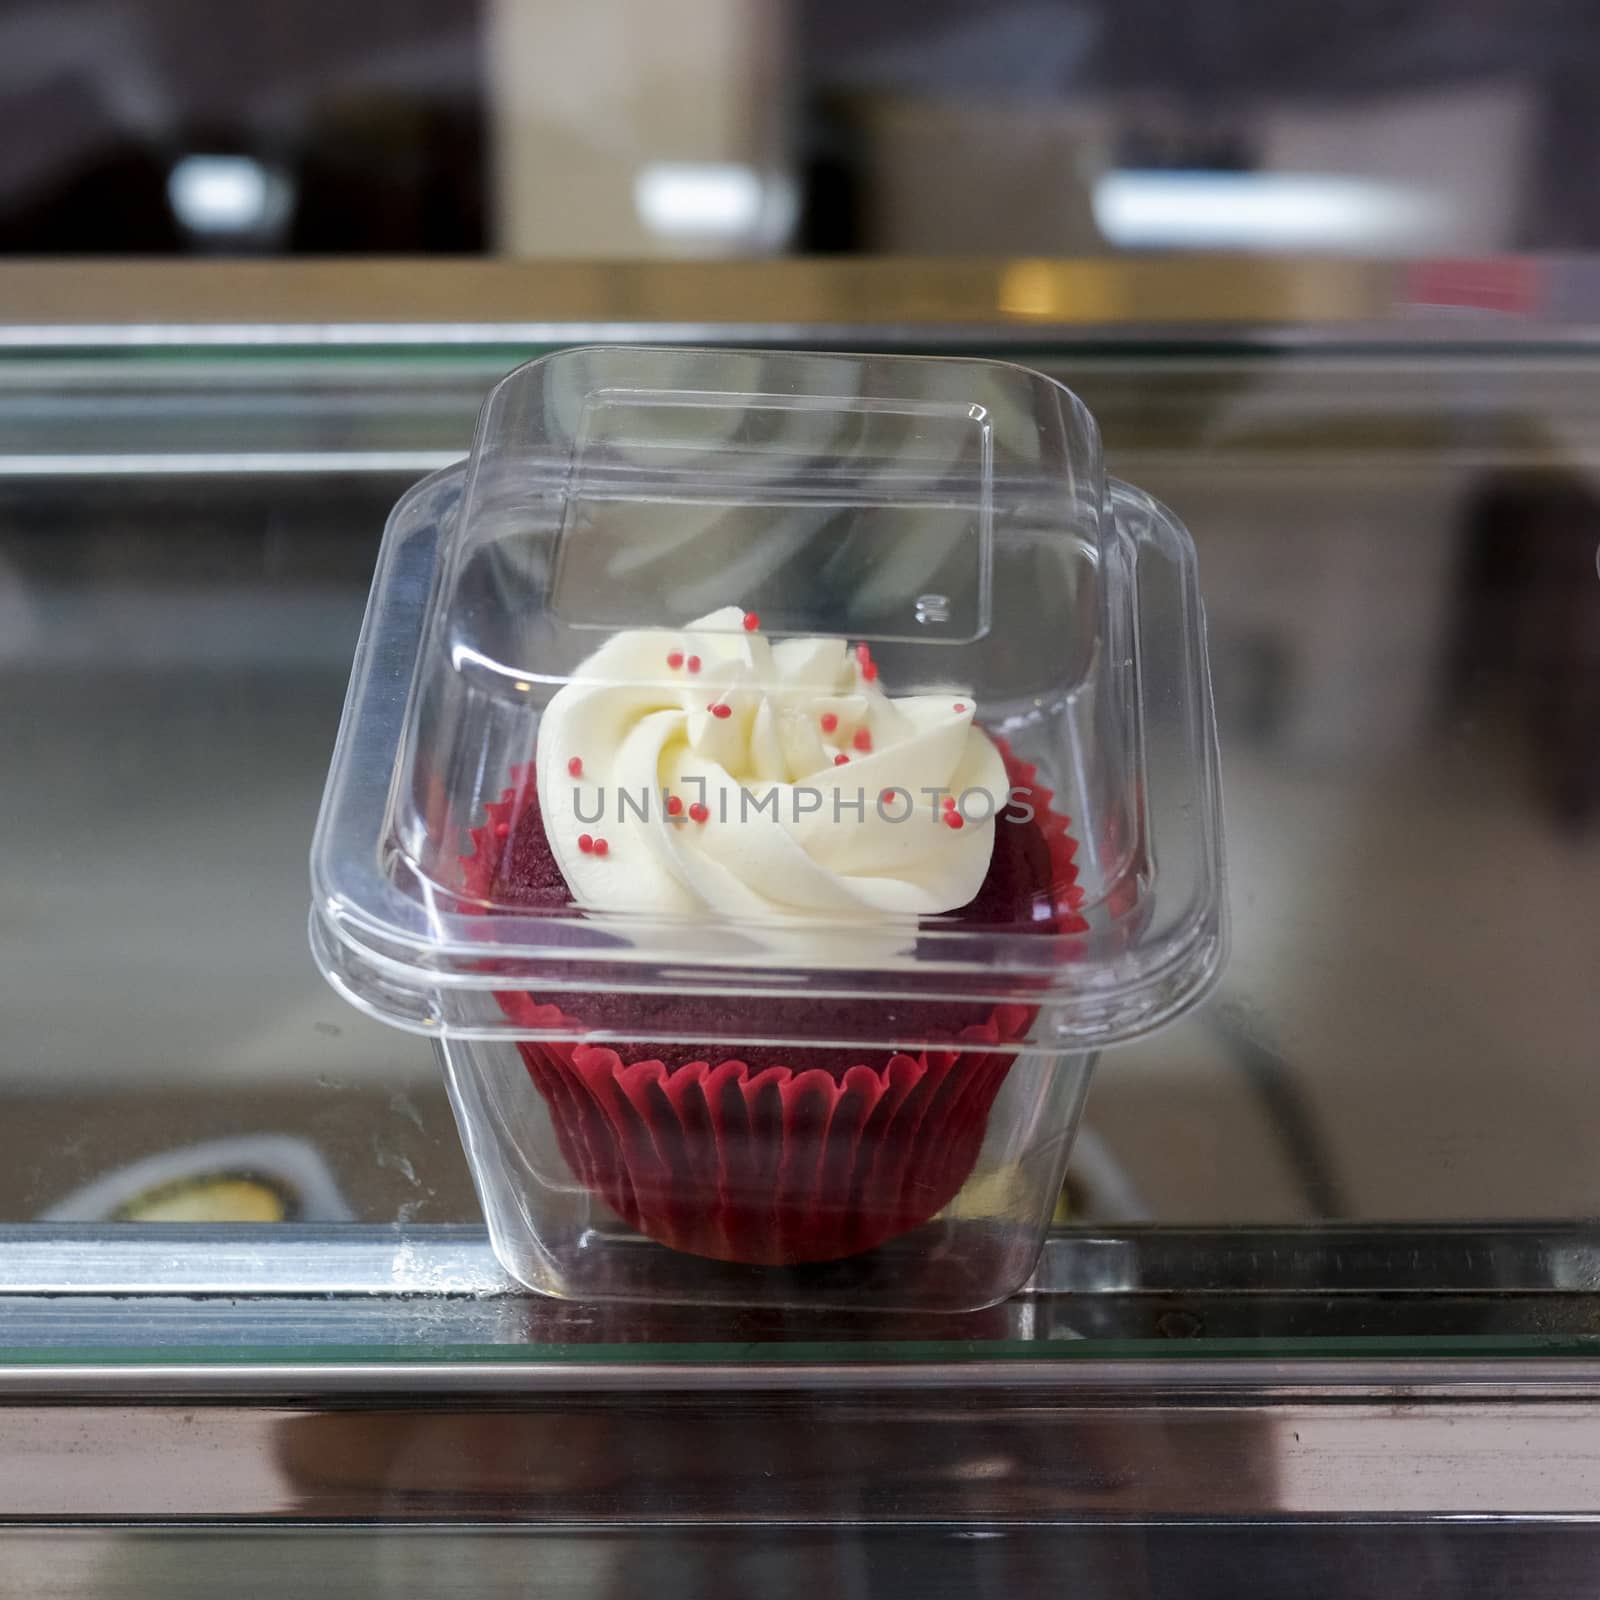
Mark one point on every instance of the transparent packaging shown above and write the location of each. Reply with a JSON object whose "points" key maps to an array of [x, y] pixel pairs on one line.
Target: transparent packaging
{"points": [[886, 720]]}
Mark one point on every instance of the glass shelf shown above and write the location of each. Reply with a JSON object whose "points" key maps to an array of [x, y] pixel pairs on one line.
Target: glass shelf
{"points": [[1367, 1148]]}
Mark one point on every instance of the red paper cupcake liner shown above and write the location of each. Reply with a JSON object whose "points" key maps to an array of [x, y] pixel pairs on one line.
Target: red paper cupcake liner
{"points": [[773, 1165]]}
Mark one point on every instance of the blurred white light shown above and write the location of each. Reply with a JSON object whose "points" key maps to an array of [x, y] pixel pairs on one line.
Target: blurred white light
{"points": [[1262, 211], [700, 200], [222, 194]]}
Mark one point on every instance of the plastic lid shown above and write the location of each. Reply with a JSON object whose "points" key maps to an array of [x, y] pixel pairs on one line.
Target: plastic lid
{"points": [[668, 582]]}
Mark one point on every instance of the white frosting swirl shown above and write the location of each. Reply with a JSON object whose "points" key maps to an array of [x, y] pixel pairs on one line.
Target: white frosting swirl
{"points": [[789, 832]]}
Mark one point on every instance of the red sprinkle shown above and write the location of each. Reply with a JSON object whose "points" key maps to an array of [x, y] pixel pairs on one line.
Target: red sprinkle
{"points": [[601, 847], [829, 722], [501, 829], [694, 663], [862, 739], [720, 708], [948, 802], [675, 659], [751, 622], [887, 795], [674, 806], [840, 759], [961, 705], [954, 819], [869, 671], [575, 767], [863, 654], [698, 812], [586, 843]]}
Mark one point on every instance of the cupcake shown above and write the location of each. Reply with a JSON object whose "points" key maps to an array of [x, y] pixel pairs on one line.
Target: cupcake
{"points": [[779, 786]]}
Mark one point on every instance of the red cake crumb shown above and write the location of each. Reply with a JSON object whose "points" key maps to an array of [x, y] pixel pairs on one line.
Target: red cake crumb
{"points": [[1018, 881]]}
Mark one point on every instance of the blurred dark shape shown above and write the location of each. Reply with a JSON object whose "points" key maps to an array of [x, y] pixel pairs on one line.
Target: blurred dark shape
{"points": [[1564, 177], [831, 200], [1015, 51], [114, 113], [115, 203], [1198, 87], [1530, 620], [387, 174], [1154, 139], [76, 175]]}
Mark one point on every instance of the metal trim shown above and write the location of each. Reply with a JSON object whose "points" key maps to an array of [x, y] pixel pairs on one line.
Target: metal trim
{"points": [[1510, 1259], [884, 301], [1257, 1380]]}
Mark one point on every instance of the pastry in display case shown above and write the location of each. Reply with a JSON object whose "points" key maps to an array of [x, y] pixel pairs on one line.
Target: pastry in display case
{"points": [[772, 778]]}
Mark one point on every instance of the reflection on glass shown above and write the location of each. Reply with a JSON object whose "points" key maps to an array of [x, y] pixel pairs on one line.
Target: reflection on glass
{"points": [[1026, 127]]}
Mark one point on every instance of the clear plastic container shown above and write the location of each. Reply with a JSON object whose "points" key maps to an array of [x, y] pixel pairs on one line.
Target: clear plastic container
{"points": [[774, 1029]]}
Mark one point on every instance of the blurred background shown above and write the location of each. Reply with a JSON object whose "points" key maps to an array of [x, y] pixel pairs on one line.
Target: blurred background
{"points": [[756, 127]]}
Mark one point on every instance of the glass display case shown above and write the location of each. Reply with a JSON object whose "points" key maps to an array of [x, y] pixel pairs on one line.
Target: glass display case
{"points": [[237, 1234]]}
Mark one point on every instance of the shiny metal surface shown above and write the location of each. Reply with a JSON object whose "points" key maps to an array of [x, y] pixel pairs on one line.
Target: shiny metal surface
{"points": [[913, 1366], [153, 1305], [58, 1259], [241, 1259], [1142, 1441]]}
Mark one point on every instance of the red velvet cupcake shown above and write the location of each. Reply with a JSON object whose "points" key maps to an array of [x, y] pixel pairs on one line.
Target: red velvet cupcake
{"points": [[774, 1154]]}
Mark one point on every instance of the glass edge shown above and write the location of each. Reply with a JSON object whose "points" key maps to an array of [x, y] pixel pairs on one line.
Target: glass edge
{"points": [[749, 1357]]}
